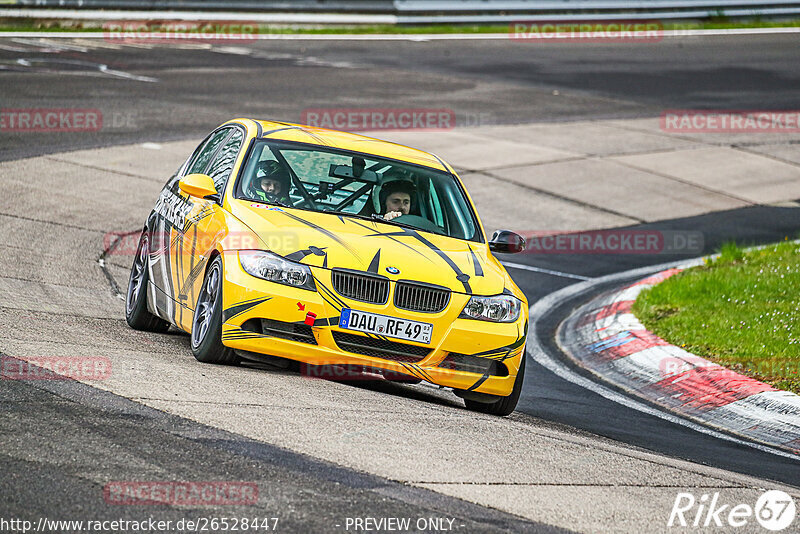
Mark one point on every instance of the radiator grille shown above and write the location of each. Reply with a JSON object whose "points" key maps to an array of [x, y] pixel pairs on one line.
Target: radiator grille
{"points": [[474, 364], [280, 329], [363, 287], [420, 297], [380, 348]]}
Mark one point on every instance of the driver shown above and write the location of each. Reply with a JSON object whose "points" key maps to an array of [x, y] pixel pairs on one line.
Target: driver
{"points": [[271, 183], [395, 198]]}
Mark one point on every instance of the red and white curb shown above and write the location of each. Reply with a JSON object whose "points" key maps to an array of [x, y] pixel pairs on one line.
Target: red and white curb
{"points": [[605, 337]]}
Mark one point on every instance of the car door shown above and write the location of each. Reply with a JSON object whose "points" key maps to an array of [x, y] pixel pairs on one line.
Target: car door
{"points": [[172, 211], [205, 224]]}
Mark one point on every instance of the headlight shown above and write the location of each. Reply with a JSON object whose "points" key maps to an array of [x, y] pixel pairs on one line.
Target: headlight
{"points": [[272, 267], [498, 309]]}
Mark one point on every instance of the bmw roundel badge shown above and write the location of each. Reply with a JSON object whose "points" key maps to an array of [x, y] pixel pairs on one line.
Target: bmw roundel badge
{"points": [[393, 270]]}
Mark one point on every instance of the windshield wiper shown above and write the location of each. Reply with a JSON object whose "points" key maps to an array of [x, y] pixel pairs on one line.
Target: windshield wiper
{"points": [[379, 218], [340, 212], [374, 217]]}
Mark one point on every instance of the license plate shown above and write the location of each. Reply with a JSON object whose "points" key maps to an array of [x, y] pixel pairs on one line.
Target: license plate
{"points": [[384, 325]]}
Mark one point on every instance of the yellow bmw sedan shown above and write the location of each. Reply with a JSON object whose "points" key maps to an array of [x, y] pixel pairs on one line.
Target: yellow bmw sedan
{"points": [[332, 249]]}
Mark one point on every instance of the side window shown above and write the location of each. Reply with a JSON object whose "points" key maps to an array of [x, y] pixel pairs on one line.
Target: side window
{"points": [[184, 170], [223, 164], [204, 155]]}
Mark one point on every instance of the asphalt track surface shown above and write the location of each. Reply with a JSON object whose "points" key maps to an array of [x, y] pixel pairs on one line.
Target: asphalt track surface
{"points": [[505, 83], [494, 82]]}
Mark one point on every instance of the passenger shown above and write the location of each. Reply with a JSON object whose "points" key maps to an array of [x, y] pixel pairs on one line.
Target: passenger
{"points": [[271, 183], [396, 197]]}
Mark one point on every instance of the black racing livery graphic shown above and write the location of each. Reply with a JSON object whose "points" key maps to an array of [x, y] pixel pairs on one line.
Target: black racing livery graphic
{"points": [[238, 333], [259, 129], [206, 211], [460, 275], [331, 298], [503, 353], [374, 228], [475, 262], [171, 228], [194, 270], [312, 135], [416, 371], [173, 208], [480, 381], [301, 254], [188, 283], [374, 265], [500, 354], [276, 130], [237, 309], [325, 232]]}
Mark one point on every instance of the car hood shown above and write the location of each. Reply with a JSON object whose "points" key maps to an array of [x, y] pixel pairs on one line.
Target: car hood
{"points": [[329, 241]]}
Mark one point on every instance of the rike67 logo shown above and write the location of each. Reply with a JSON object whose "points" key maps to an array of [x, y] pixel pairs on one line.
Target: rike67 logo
{"points": [[774, 510]]}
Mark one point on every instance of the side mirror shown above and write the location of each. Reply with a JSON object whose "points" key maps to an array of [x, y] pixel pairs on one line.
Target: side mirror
{"points": [[506, 241], [198, 185]]}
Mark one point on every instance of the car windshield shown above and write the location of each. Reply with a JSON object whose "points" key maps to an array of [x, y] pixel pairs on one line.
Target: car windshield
{"points": [[359, 185]]}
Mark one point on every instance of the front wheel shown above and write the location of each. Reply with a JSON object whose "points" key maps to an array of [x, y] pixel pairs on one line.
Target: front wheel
{"points": [[136, 313], [207, 344], [504, 405]]}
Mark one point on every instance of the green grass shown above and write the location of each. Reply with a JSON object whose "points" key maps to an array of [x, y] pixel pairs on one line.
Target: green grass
{"points": [[741, 310], [39, 25]]}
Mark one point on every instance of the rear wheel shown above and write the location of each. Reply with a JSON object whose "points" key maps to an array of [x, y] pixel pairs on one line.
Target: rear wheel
{"points": [[136, 313], [503, 405], [207, 344]]}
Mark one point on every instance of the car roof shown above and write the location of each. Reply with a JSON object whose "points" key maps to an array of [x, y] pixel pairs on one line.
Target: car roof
{"points": [[313, 135]]}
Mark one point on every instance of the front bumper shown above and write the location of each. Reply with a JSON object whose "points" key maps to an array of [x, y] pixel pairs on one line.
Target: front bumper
{"points": [[320, 341]]}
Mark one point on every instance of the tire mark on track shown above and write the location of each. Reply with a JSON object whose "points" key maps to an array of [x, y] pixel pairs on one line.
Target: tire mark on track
{"points": [[103, 169], [54, 223], [556, 196], [115, 289]]}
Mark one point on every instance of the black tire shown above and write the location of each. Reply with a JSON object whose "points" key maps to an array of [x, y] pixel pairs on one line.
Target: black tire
{"points": [[504, 405], [206, 338], [136, 313]]}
